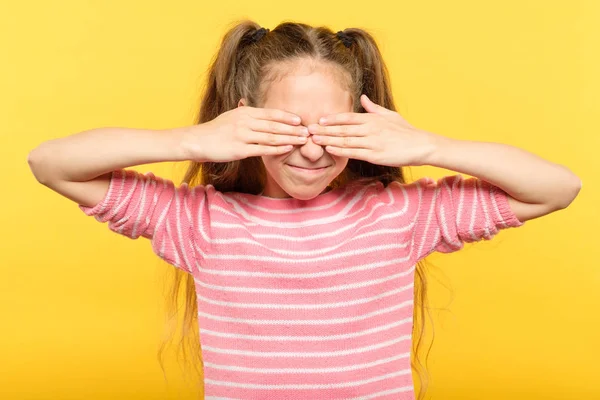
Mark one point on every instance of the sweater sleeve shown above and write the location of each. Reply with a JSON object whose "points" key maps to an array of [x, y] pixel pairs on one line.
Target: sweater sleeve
{"points": [[454, 210], [144, 205]]}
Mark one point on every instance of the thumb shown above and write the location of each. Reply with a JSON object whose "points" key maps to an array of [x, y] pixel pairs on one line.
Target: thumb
{"points": [[370, 106]]}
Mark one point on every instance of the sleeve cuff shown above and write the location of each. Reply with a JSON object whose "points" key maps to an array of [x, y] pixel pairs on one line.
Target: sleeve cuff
{"points": [[108, 198], [506, 213]]}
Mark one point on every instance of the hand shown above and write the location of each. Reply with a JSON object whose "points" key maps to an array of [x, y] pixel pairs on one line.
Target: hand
{"points": [[244, 132], [380, 136]]}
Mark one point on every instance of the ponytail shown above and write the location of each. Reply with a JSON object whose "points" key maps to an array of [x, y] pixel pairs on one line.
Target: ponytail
{"points": [[375, 82]]}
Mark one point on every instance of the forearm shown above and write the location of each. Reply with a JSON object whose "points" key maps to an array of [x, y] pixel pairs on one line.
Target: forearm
{"points": [[89, 154], [523, 175]]}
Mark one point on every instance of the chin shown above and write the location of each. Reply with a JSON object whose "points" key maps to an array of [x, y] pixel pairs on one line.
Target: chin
{"points": [[306, 194]]}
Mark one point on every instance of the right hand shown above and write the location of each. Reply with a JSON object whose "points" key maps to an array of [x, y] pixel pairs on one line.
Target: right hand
{"points": [[244, 132]]}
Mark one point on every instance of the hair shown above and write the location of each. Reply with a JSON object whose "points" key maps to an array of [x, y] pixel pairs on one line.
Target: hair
{"points": [[243, 68]]}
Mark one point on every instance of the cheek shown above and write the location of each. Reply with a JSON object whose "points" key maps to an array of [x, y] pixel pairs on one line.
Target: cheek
{"points": [[340, 162], [269, 161], [272, 164]]}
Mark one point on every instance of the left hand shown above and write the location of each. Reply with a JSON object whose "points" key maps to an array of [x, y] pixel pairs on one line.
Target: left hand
{"points": [[379, 136]]}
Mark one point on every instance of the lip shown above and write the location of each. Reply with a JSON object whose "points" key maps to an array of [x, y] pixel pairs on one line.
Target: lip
{"points": [[307, 170]]}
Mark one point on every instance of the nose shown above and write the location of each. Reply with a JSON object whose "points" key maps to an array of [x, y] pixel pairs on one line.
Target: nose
{"points": [[311, 150]]}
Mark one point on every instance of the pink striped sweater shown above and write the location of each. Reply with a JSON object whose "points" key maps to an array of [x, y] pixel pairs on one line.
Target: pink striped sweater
{"points": [[304, 299]]}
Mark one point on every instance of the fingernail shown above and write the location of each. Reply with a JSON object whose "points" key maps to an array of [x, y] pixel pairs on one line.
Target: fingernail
{"points": [[305, 130], [297, 120], [323, 121]]}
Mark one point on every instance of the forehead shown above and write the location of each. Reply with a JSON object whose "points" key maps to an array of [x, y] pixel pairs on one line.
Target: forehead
{"points": [[310, 90]]}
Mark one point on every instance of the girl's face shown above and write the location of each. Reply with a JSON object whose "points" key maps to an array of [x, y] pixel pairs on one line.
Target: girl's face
{"points": [[311, 91]]}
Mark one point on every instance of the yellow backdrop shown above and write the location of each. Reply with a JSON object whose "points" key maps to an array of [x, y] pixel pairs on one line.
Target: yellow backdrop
{"points": [[82, 307]]}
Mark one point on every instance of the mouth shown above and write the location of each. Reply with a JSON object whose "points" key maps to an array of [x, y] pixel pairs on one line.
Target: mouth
{"points": [[308, 170]]}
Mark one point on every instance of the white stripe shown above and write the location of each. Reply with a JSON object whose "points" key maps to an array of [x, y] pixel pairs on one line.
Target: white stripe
{"points": [[191, 195], [384, 392], [460, 202], [309, 386], [304, 253], [182, 243], [320, 274], [342, 254], [329, 289], [200, 213], [484, 208], [444, 224], [473, 215], [305, 370], [219, 398], [110, 193], [331, 321], [430, 214], [173, 246], [299, 354], [161, 251], [141, 210], [165, 210], [270, 338], [497, 209], [124, 203], [275, 306], [303, 238], [154, 200], [288, 225]]}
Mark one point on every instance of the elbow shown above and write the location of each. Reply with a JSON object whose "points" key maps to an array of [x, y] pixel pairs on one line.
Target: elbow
{"points": [[571, 191], [35, 160]]}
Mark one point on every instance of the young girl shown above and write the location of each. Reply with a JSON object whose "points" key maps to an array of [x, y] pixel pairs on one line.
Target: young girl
{"points": [[294, 224]]}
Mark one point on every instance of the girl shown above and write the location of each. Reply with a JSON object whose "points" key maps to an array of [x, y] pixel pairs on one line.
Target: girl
{"points": [[299, 237]]}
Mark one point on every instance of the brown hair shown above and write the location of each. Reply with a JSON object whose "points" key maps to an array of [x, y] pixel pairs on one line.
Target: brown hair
{"points": [[243, 68]]}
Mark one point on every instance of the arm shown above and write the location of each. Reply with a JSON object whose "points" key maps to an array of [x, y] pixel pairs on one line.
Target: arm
{"points": [[536, 187], [78, 166], [90, 169]]}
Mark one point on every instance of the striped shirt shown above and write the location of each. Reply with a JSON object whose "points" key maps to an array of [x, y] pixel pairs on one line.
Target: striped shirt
{"points": [[304, 299]]}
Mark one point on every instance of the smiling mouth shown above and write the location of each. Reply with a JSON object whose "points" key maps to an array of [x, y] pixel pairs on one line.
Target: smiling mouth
{"points": [[308, 170]]}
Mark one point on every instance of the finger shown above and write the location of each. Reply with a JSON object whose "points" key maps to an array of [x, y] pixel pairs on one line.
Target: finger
{"points": [[345, 119], [372, 107], [273, 139], [343, 141], [274, 114], [357, 154], [278, 127], [337, 130], [257, 150]]}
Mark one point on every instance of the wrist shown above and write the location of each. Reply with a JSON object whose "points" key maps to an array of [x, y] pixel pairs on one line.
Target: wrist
{"points": [[183, 143], [434, 147]]}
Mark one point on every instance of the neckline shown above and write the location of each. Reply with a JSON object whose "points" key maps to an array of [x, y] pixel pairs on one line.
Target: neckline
{"points": [[292, 202], [320, 199]]}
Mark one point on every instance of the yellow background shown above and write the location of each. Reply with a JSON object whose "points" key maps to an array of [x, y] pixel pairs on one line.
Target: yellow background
{"points": [[82, 306]]}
